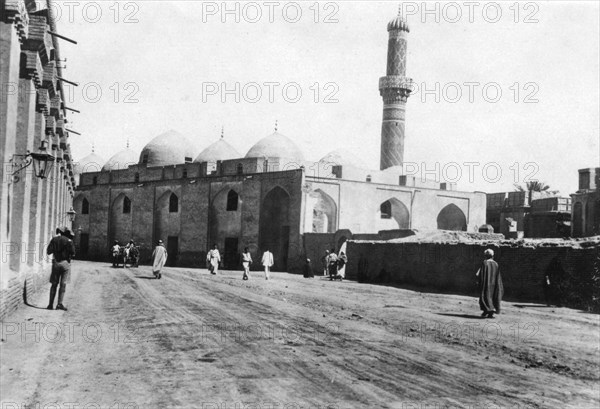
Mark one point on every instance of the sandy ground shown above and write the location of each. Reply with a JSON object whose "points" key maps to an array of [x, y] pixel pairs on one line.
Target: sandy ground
{"points": [[199, 341]]}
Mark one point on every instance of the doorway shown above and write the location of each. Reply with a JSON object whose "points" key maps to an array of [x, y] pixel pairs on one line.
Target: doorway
{"points": [[84, 244], [231, 258], [172, 250]]}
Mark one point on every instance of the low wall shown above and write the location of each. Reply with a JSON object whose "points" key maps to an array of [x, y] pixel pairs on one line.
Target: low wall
{"points": [[448, 267]]}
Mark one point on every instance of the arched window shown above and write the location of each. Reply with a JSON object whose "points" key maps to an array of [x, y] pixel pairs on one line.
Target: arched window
{"points": [[386, 210], [240, 169], [95, 180], [232, 200], [85, 206], [126, 205], [137, 177], [184, 173], [173, 203]]}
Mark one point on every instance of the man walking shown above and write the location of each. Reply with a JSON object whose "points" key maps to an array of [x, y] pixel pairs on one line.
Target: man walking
{"points": [[159, 258], [246, 262], [213, 259], [63, 250], [332, 264], [491, 289], [267, 262], [325, 263]]}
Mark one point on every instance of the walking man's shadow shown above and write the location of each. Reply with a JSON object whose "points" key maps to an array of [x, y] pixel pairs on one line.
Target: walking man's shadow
{"points": [[469, 316]]}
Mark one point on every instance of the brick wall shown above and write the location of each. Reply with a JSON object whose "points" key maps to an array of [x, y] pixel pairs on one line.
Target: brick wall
{"points": [[22, 288]]}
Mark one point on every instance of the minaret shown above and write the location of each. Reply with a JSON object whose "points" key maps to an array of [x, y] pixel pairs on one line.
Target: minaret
{"points": [[394, 88]]}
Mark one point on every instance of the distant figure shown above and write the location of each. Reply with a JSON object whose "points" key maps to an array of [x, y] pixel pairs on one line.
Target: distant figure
{"points": [[341, 264], [267, 262], [159, 258], [325, 263], [63, 249], [308, 271], [213, 258], [332, 264], [246, 261], [115, 250], [547, 289], [491, 289]]}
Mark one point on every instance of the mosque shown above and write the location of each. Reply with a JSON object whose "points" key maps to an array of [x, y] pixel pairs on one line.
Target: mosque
{"points": [[269, 198]]}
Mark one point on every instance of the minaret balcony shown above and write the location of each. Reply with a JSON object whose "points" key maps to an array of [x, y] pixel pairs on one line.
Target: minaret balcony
{"points": [[396, 81]]}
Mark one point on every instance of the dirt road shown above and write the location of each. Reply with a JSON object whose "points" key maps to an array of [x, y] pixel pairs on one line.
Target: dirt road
{"points": [[199, 341]]}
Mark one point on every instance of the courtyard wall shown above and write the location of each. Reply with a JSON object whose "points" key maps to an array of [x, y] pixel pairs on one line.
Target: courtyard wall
{"points": [[451, 267]]}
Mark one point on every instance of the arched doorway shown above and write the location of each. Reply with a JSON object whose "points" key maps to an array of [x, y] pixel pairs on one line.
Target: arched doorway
{"points": [[452, 218], [225, 226], [121, 220], [393, 214], [81, 225], [324, 212], [167, 224], [274, 229]]}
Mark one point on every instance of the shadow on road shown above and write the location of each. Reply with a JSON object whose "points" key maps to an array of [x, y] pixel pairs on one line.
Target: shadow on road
{"points": [[146, 277], [532, 306], [478, 317]]}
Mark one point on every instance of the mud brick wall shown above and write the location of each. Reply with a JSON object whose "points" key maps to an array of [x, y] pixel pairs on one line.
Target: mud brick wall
{"points": [[451, 268], [315, 245], [20, 289]]}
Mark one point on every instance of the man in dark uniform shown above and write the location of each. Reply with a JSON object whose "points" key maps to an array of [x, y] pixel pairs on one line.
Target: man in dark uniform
{"points": [[63, 249]]}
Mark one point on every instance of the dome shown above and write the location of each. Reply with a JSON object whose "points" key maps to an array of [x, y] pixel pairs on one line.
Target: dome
{"points": [[169, 148], [121, 160], [276, 145], [220, 150], [399, 23], [90, 163], [343, 157]]}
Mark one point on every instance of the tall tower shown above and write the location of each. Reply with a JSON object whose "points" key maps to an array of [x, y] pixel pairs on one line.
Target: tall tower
{"points": [[394, 88]]}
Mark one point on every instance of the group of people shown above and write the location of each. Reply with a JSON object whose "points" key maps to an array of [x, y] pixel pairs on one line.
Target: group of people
{"points": [[62, 248], [334, 265], [213, 261], [117, 253]]}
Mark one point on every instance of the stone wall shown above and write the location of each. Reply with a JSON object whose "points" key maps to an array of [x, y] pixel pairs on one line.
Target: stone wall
{"points": [[451, 267], [202, 218], [32, 118]]}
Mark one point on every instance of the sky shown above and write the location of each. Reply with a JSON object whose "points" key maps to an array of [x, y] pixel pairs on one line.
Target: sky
{"points": [[511, 89]]}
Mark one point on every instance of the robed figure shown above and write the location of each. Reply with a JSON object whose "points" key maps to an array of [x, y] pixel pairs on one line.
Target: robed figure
{"points": [[159, 258], [491, 289]]}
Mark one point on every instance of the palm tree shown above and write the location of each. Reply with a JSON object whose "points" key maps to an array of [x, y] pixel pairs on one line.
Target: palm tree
{"points": [[532, 186]]}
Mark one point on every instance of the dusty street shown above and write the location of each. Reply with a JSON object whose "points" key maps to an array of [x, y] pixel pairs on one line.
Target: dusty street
{"points": [[199, 341]]}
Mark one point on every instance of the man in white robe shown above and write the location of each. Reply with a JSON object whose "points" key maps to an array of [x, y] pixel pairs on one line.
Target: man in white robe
{"points": [[213, 258], [159, 258], [267, 262]]}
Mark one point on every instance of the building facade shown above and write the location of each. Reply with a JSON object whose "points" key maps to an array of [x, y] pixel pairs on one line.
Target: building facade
{"points": [[529, 214], [266, 199], [33, 120], [586, 204]]}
